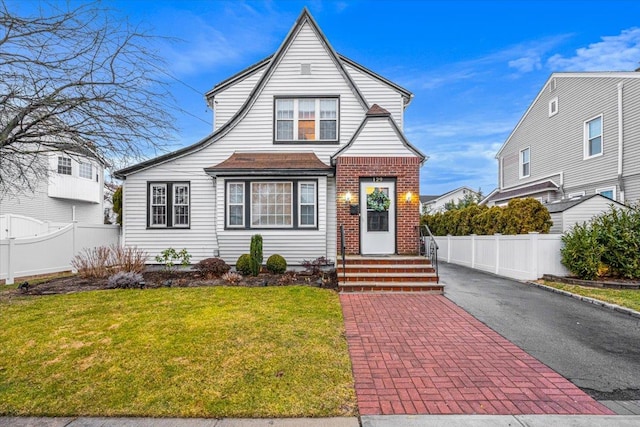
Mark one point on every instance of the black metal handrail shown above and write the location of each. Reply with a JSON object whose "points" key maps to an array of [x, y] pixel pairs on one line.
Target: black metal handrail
{"points": [[428, 247], [343, 254]]}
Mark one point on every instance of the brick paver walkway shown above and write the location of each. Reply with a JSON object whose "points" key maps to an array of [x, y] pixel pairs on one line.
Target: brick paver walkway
{"points": [[422, 354]]}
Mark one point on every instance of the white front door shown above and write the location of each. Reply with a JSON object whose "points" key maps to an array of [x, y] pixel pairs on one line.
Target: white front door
{"points": [[377, 217]]}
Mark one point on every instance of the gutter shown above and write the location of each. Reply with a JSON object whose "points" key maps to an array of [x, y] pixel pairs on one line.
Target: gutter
{"points": [[620, 140]]}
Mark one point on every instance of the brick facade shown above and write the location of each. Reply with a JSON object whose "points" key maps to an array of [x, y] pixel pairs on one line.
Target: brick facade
{"points": [[406, 170]]}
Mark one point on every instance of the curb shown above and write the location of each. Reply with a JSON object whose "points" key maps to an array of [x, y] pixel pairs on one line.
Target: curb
{"points": [[610, 306]]}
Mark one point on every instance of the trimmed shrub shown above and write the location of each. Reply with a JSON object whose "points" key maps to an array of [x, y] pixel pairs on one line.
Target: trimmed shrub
{"points": [[212, 267], [520, 216], [126, 279], [276, 264], [243, 264], [582, 253], [255, 251]]}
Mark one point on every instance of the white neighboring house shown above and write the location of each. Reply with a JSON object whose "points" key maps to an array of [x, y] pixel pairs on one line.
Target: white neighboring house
{"points": [[579, 137], [433, 204], [72, 191], [304, 142]]}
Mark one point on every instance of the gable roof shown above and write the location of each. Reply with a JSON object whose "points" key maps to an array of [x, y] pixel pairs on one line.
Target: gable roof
{"points": [[427, 198], [498, 195], [377, 111], [250, 163], [586, 74], [304, 18], [556, 207]]}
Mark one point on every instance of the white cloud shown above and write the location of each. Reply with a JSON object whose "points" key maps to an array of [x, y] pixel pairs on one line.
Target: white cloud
{"points": [[526, 64], [613, 53]]}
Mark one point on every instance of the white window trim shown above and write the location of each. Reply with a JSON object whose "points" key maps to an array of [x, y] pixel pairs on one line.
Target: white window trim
{"points": [[521, 163], [315, 205], [244, 189], [612, 189], [576, 194], [296, 119], [291, 202], [70, 166], [173, 205], [553, 102], [586, 137], [151, 205], [80, 165]]}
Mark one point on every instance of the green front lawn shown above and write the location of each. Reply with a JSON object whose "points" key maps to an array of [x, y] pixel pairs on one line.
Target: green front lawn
{"points": [[625, 298], [184, 352]]}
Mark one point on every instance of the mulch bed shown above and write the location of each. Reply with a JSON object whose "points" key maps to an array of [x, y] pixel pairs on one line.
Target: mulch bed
{"points": [[182, 279], [608, 283]]}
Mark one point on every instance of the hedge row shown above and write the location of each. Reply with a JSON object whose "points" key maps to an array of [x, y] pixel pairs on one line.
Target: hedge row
{"points": [[608, 245], [520, 216]]}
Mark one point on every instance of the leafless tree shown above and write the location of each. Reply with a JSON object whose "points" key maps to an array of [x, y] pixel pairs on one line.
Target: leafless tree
{"points": [[77, 80]]}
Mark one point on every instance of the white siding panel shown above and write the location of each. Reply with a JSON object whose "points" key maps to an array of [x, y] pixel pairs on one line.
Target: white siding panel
{"points": [[332, 225], [378, 139], [228, 102], [585, 211], [376, 92], [556, 228], [200, 239]]}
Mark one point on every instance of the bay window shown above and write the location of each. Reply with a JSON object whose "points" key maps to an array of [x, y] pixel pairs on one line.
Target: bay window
{"points": [[306, 119], [271, 204]]}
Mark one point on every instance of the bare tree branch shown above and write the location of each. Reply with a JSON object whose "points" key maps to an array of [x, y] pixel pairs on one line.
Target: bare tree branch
{"points": [[75, 80]]}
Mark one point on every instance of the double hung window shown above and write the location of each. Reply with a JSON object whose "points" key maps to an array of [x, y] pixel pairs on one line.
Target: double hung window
{"points": [[271, 204], [169, 205], [525, 162], [593, 137], [64, 165], [306, 119]]}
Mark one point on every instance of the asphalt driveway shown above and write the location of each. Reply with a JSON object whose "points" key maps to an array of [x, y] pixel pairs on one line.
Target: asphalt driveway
{"points": [[597, 349]]}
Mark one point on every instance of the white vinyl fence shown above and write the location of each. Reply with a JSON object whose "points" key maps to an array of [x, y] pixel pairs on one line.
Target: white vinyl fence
{"points": [[13, 225], [522, 256], [51, 252]]}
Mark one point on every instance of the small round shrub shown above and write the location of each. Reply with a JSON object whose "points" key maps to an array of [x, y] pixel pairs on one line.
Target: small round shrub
{"points": [[212, 267], [126, 279], [243, 264], [276, 264]]}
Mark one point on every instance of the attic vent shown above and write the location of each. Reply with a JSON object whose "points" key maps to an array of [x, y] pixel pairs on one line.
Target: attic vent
{"points": [[305, 69], [552, 85]]}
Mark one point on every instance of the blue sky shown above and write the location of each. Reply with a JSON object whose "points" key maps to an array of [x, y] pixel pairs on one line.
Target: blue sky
{"points": [[473, 66]]}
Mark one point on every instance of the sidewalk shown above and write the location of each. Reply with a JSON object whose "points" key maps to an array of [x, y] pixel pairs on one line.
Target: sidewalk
{"points": [[422, 354]]}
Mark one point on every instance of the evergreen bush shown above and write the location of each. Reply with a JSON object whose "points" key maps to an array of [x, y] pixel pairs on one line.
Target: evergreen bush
{"points": [[276, 264], [243, 264], [255, 253]]}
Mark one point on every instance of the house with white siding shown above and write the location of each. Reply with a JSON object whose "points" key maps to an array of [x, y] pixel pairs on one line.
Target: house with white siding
{"points": [[579, 137], [438, 203], [304, 142], [70, 189]]}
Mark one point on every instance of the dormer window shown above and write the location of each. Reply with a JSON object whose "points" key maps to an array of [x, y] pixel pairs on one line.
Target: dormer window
{"points": [[306, 119]]}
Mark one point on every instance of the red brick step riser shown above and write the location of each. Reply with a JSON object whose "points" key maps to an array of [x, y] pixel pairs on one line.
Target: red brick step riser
{"points": [[391, 279], [382, 269]]}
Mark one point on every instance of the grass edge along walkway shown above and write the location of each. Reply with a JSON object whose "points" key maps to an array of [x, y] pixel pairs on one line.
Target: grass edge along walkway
{"points": [[176, 352]]}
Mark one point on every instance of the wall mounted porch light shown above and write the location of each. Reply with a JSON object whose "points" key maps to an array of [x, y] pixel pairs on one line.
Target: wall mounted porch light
{"points": [[347, 197], [407, 198]]}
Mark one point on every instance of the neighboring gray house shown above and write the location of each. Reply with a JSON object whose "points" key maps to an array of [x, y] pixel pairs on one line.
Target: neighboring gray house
{"points": [[579, 137], [567, 213]]}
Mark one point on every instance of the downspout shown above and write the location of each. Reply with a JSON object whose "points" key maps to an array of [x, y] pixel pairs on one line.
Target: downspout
{"points": [[620, 142]]}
